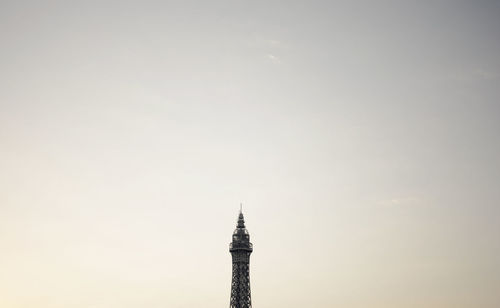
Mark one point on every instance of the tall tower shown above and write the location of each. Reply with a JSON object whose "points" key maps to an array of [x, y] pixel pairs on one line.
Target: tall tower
{"points": [[240, 249]]}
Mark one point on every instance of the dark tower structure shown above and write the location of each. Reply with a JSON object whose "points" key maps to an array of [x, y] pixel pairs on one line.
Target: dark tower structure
{"points": [[240, 249]]}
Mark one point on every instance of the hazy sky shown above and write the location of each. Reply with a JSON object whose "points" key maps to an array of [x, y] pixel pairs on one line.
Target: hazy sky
{"points": [[363, 138]]}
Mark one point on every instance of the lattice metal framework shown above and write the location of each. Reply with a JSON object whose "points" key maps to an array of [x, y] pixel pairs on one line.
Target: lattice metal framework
{"points": [[240, 249]]}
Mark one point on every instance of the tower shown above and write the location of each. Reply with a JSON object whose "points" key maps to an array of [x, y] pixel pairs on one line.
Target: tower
{"points": [[240, 249]]}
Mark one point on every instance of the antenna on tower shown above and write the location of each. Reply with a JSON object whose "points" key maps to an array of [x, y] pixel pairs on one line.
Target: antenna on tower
{"points": [[241, 207]]}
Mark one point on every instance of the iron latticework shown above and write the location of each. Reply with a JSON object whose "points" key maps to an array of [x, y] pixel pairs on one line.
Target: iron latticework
{"points": [[240, 249]]}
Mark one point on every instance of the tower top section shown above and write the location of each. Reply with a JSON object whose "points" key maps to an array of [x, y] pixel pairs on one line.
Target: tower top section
{"points": [[241, 238], [240, 249]]}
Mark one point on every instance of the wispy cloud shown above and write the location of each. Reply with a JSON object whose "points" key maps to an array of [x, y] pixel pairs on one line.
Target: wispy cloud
{"points": [[274, 59], [271, 48]]}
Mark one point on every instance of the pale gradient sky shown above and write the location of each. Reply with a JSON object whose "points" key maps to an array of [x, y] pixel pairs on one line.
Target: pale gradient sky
{"points": [[362, 138]]}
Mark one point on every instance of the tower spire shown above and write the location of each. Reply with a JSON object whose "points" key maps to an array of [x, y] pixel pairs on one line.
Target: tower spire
{"points": [[240, 249]]}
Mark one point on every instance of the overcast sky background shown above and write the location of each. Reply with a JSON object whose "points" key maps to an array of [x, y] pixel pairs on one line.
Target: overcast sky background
{"points": [[361, 136]]}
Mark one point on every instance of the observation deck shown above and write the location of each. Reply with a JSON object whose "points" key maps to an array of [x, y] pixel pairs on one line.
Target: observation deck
{"points": [[240, 246]]}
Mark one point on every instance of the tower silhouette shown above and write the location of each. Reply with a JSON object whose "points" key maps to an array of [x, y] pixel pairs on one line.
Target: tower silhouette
{"points": [[240, 249]]}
